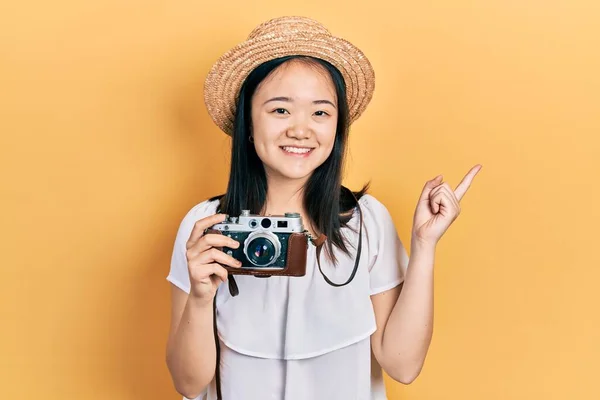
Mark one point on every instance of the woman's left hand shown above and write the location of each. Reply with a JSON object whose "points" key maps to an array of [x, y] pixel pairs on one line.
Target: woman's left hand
{"points": [[438, 207]]}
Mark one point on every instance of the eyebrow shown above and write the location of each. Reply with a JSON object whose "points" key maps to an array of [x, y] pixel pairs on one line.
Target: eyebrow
{"points": [[290, 100]]}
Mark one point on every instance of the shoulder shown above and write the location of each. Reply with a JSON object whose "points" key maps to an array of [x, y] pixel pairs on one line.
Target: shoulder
{"points": [[377, 220], [372, 207], [203, 209], [199, 211]]}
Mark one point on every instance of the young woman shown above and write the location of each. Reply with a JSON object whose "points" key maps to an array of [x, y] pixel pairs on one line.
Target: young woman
{"points": [[287, 96]]}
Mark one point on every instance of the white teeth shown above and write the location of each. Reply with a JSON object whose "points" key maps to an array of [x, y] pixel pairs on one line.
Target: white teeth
{"points": [[296, 150]]}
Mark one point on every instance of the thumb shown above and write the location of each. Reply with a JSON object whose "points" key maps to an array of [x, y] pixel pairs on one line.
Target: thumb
{"points": [[429, 186]]}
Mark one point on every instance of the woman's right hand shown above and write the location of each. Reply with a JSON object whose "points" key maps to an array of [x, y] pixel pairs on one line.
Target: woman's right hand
{"points": [[202, 258]]}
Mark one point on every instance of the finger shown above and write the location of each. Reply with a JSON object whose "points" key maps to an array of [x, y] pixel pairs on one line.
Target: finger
{"points": [[214, 255], [219, 271], [211, 240], [435, 203], [429, 186], [445, 187], [204, 271], [217, 280], [441, 203], [464, 185], [201, 225]]}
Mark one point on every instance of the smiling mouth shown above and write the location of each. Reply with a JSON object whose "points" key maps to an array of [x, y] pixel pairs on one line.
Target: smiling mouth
{"points": [[301, 151]]}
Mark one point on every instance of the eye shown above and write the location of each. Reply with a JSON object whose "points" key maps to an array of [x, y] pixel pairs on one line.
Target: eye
{"points": [[280, 111], [321, 113]]}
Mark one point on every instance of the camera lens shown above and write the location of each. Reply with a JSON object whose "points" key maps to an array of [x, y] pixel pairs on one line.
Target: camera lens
{"points": [[261, 251], [262, 248]]}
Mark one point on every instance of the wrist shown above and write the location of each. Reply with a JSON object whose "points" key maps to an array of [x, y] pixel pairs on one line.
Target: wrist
{"points": [[199, 302], [418, 246]]}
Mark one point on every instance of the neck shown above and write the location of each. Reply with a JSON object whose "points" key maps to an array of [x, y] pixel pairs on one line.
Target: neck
{"points": [[287, 195], [284, 195]]}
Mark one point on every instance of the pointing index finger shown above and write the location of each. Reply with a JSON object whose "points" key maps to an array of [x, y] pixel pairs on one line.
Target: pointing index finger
{"points": [[464, 185]]}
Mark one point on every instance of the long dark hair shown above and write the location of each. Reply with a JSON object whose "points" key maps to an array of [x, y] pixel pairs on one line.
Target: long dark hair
{"points": [[329, 204]]}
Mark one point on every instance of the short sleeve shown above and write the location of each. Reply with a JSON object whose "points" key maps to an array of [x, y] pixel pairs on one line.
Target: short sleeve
{"points": [[388, 257], [178, 274]]}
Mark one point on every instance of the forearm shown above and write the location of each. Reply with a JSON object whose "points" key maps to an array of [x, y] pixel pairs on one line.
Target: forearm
{"points": [[408, 331], [191, 353]]}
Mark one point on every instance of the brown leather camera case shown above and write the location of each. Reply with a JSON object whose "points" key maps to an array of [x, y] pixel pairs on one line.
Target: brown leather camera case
{"points": [[296, 258]]}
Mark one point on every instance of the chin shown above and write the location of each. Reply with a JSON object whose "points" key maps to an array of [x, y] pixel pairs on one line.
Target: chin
{"points": [[295, 175], [291, 171]]}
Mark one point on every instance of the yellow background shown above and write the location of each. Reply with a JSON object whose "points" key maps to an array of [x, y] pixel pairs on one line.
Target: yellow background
{"points": [[105, 144]]}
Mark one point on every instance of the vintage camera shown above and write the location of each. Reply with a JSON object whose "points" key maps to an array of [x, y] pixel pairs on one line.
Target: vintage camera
{"points": [[269, 245]]}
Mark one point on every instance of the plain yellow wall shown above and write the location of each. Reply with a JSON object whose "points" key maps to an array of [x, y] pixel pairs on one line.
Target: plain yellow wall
{"points": [[105, 144]]}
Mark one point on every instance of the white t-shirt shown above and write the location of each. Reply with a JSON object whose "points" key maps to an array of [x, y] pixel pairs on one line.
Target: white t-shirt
{"points": [[299, 338]]}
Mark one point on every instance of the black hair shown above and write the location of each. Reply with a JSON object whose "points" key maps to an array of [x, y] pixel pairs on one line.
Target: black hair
{"points": [[329, 205]]}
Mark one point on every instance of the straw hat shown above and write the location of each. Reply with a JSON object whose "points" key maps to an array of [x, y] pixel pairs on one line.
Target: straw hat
{"points": [[282, 37]]}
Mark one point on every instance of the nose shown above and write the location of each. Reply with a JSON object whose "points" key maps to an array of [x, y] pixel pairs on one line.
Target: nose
{"points": [[299, 129]]}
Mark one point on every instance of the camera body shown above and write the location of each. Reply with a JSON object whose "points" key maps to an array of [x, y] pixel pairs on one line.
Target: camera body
{"points": [[269, 245]]}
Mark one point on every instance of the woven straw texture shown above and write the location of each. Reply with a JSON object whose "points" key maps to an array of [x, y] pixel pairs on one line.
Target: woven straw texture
{"points": [[282, 37]]}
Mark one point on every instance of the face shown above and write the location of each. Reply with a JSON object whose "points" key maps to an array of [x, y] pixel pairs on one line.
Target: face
{"points": [[294, 120]]}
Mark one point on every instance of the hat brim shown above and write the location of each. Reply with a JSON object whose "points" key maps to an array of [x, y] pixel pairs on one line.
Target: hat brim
{"points": [[227, 75]]}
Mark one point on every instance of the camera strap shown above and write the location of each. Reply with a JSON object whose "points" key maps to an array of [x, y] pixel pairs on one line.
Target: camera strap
{"points": [[320, 241]]}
